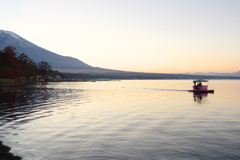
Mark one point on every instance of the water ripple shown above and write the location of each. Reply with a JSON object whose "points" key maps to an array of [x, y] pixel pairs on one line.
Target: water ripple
{"points": [[121, 120]]}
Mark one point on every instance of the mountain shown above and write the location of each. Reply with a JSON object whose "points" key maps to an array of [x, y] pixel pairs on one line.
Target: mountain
{"points": [[8, 38], [72, 65]]}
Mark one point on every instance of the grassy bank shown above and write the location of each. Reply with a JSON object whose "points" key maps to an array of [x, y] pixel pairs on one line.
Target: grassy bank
{"points": [[5, 154]]}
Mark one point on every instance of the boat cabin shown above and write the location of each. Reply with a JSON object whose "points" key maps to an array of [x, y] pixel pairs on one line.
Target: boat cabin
{"points": [[198, 84]]}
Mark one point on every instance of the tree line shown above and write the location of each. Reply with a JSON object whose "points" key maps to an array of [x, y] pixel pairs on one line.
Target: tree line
{"points": [[13, 65]]}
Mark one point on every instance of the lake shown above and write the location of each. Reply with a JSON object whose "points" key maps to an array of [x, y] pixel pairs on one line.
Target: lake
{"points": [[127, 119]]}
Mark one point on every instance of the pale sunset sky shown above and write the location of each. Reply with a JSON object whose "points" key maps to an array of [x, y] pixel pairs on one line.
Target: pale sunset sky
{"points": [[160, 36]]}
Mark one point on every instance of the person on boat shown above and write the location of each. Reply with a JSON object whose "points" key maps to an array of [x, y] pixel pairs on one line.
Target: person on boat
{"points": [[195, 86], [198, 85]]}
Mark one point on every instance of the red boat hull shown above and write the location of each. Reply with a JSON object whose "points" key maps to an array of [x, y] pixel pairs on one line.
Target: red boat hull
{"points": [[202, 91]]}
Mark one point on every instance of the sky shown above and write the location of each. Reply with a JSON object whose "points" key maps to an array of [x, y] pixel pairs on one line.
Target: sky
{"points": [[158, 36]]}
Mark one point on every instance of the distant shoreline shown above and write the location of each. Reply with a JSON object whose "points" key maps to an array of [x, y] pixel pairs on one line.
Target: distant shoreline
{"points": [[5, 153]]}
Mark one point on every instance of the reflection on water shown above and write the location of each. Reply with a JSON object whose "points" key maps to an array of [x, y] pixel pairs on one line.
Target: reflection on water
{"points": [[18, 102], [200, 97], [121, 120]]}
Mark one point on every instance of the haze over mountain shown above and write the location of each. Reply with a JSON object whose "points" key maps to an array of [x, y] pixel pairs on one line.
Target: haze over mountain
{"points": [[234, 74], [8, 38]]}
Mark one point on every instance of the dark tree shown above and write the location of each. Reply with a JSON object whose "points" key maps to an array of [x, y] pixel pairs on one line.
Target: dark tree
{"points": [[8, 57], [27, 66], [9, 62], [43, 68], [10, 50]]}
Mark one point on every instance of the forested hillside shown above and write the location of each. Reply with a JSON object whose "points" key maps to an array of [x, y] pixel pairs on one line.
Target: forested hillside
{"points": [[15, 65]]}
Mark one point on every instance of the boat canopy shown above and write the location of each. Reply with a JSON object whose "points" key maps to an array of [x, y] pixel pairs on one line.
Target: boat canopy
{"points": [[200, 80]]}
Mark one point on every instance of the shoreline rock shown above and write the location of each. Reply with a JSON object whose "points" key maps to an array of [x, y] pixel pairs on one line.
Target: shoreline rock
{"points": [[5, 154]]}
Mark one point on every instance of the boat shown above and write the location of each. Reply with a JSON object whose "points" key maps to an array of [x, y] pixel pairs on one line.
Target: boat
{"points": [[199, 87]]}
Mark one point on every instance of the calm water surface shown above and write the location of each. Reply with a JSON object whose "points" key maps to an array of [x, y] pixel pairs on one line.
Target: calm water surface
{"points": [[130, 119]]}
